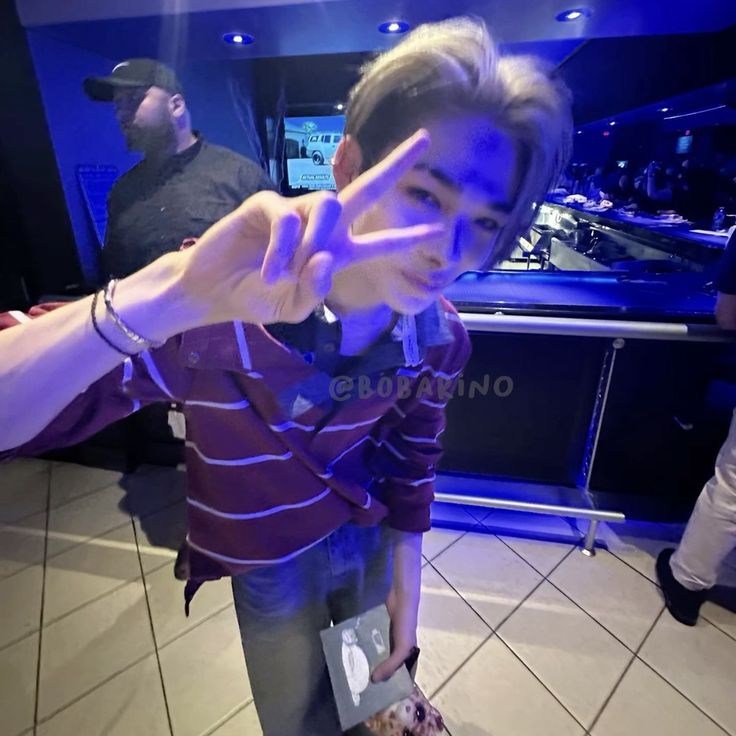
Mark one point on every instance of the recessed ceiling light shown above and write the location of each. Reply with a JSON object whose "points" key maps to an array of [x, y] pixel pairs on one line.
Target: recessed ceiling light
{"points": [[238, 39], [339, 106], [664, 109], [567, 16], [580, 132], [613, 122], [394, 26]]}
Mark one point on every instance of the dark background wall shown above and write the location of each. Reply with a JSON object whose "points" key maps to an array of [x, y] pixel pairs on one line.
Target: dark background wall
{"points": [[37, 249]]}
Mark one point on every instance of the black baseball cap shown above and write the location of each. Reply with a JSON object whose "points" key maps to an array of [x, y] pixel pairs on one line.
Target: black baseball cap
{"points": [[132, 73]]}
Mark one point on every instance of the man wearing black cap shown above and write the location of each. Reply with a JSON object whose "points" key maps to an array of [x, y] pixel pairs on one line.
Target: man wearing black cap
{"points": [[183, 184]]}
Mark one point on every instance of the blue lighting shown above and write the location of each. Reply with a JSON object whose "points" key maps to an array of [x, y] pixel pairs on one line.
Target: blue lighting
{"points": [[567, 16], [238, 39], [394, 26]]}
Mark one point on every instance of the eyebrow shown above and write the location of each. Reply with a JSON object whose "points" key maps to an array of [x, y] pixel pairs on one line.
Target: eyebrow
{"points": [[446, 180]]}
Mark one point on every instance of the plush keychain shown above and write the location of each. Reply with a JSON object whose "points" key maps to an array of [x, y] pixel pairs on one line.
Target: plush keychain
{"points": [[412, 716]]}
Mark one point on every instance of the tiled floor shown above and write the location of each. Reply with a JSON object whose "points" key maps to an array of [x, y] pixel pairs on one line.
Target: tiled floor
{"points": [[521, 635]]}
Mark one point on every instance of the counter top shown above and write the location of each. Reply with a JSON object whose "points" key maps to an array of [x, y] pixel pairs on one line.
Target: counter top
{"points": [[643, 226]]}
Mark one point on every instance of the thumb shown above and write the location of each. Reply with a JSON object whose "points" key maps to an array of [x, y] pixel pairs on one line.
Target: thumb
{"points": [[388, 667]]}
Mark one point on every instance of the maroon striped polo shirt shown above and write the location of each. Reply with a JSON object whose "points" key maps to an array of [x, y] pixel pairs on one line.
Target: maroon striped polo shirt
{"points": [[286, 439]]}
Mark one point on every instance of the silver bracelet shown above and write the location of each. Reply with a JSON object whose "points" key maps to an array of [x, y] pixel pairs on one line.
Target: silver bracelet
{"points": [[132, 335]]}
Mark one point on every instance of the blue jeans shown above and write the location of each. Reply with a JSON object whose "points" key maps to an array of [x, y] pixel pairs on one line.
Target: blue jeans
{"points": [[281, 610]]}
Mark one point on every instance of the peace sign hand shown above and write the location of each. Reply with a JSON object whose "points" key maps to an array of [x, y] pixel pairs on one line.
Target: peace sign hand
{"points": [[272, 259]]}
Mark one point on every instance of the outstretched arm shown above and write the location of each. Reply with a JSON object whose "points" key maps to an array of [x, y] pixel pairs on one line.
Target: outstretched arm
{"points": [[271, 260]]}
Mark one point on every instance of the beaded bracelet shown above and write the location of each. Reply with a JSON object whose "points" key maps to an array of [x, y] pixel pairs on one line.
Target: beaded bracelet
{"points": [[101, 333], [133, 336]]}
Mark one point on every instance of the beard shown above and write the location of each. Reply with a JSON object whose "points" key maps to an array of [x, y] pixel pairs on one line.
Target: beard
{"points": [[151, 139]]}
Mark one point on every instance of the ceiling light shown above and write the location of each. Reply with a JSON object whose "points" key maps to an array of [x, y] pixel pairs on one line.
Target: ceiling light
{"points": [[238, 39], [664, 109], [394, 26], [613, 122], [339, 106], [567, 16]]}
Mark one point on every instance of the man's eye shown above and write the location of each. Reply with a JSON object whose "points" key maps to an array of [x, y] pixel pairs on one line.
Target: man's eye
{"points": [[487, 223], [424, 197]]}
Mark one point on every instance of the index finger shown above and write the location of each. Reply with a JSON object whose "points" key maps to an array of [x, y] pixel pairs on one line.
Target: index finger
{"points": [[360, 194]]}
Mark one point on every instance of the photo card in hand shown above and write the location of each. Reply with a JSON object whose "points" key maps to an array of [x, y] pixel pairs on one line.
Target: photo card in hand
{"points": [[353, 649]]}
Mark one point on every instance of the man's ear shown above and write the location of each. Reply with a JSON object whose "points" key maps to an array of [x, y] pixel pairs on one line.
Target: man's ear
{"points": [[177, 106], [348, 161]]}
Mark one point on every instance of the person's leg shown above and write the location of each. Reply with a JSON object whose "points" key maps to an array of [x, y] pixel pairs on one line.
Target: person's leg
{"points": [[281, 610], [361, 562], [687, 573], [711, 531]]}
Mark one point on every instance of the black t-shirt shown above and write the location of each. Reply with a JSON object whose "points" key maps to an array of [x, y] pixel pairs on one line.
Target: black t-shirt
{"points": [[726, 279], [152, 210]]}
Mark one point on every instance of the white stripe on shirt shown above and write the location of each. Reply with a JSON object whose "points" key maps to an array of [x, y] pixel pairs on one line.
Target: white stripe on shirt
{"points": [[237, 561], [266, 512], [238, 461], [433, 404], [414, 483], [154, 373], [284, 426], [230, 406], [242, 346], [429, 440], [344, 427]]}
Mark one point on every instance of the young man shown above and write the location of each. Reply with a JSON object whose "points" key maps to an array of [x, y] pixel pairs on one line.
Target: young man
{"points": [[308, 482]]}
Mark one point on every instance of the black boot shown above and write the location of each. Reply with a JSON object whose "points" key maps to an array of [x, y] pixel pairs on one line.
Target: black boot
{"points": [[682, 603]]}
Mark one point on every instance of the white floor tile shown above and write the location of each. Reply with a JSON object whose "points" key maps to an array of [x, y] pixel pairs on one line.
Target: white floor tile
{"points": [[491, 577], [541, 540], [160, 535], [495, 694], [204, 675], [700, 661], [166, 598], [23, 488], [20, 611], [18, 685], [644, 703], [437, 540], [615, 595], [86, 517], [639, 543], [244, 723], [130, 703], [90, 570], [92, 644], [723, 618], [449, 632], [69, 481], [578, 660], [19, 548]]}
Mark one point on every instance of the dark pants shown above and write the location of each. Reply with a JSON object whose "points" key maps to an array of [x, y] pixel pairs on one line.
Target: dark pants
{"points": [[281, 611]]}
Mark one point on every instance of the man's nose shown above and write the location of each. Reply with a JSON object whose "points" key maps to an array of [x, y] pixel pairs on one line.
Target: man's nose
{"points": [[446, 250]]}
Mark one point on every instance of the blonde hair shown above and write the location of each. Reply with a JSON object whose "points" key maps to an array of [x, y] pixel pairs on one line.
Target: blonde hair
{"points": [[455, 66]]}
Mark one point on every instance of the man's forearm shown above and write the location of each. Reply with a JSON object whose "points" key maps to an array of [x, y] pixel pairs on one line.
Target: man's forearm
{"points": [[407, 566], [46, 363]]}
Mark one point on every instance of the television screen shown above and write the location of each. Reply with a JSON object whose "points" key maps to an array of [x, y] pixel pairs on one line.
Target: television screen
{"points": [[684, 144], [310, 144]]}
